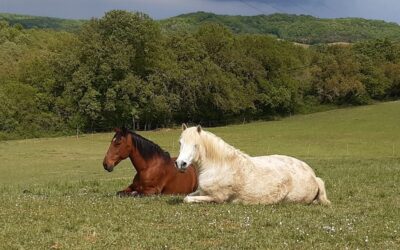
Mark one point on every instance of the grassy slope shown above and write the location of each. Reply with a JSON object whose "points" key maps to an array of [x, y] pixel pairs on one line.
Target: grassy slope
{"points": [[54, 192]]}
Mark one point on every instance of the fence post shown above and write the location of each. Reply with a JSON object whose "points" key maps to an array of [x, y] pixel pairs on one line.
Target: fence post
{"points": [[393, 150]]}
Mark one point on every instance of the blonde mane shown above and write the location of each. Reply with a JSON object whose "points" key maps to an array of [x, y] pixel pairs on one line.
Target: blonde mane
{"points": [[217, 150]]}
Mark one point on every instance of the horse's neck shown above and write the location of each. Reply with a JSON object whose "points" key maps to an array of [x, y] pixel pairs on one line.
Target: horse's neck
{"points": [[138, 162], [219, 152]]}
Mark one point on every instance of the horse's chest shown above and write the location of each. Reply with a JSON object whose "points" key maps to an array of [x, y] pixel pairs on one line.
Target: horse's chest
{"points": [[216, 178]]}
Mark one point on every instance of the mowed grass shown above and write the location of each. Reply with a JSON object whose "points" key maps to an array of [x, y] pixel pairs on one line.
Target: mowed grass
{"points": [[55, 194]]}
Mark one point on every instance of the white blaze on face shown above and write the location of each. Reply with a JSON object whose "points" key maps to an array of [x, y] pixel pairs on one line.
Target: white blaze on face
{"points": [[187, 153]]}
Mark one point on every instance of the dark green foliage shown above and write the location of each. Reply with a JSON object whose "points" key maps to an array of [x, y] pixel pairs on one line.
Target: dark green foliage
{"points": [[28, 22], [123, 69], [337, 78], [27, 80], [298, 28], [22, 111], [380, 61]]}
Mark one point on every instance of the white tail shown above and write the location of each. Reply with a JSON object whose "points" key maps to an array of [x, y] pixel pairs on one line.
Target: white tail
{"points": [[321, 197]]}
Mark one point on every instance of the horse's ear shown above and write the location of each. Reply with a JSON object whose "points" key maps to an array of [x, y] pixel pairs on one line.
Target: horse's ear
{"points": [[184, 126], [117, 130], [124, 130], [199, 128]]}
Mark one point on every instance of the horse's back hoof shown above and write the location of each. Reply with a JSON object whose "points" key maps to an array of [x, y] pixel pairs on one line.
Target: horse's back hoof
{"points": [[127, 194], [121, 194]]}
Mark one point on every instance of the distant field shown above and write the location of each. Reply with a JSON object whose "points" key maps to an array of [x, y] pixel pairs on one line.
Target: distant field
{"points": [[55, 194]]}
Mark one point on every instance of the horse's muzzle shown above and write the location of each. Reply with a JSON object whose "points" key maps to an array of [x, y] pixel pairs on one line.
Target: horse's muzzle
{"points": [[108, 168], [181, 165]]}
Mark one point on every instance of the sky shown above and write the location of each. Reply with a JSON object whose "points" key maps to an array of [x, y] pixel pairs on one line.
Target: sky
{"points": [[388, 10]]}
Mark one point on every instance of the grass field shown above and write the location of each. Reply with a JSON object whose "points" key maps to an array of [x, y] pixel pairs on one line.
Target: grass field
{"points": [[54, 193]]}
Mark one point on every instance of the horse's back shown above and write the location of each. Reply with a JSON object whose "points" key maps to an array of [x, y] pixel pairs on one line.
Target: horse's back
{"points": [[297, 177]]}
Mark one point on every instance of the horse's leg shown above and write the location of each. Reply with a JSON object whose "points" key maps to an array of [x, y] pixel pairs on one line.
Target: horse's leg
{"points": [[131, 190], [152, 181], [197, 199], [195, 193], [150, 191]]}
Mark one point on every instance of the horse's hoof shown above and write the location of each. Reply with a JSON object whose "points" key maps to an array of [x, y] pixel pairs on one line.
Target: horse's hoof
{"points": [[122, 193], [127, 194]]}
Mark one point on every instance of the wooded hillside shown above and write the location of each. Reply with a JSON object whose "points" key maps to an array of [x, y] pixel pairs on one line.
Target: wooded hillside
{"points": [[297, 28], [123, 69], [39, 22]]}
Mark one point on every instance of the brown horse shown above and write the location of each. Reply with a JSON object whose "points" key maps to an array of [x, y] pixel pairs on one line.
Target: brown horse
{"points": [[155, 169]]}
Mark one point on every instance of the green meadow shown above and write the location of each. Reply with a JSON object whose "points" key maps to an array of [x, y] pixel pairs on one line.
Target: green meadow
{"points": [[55, 194]]}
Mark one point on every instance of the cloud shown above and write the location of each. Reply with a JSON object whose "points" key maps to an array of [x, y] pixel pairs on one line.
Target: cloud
{"points": [[96, 8], [383, 9]]}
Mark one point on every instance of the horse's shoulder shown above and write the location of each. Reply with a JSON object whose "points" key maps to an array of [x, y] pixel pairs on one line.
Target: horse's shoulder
{"points": [[267, 159]]}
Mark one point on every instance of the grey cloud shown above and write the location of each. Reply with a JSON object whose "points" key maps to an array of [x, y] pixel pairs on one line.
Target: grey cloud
{"points": [[384, 9]]}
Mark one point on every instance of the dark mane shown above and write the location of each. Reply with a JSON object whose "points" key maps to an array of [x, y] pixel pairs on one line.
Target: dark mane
{"points": [[147, 148]]}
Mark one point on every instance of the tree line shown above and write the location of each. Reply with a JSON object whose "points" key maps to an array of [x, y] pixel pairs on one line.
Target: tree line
{"points": [[297, 28], [42, 22], [123, 69]]}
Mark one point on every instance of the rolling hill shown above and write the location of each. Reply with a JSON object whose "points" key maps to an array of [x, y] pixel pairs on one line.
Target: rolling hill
{"points": [[29, 22], [297, 28]]}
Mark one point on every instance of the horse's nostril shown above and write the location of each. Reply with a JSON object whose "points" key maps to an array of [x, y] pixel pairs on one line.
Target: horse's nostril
{"points": [[180, 164]]}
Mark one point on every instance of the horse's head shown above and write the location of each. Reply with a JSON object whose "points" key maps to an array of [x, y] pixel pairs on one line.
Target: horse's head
{"points": [[119, 149], [189, 147]]}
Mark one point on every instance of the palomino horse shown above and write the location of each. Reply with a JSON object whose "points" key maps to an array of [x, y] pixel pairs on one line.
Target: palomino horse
{"points": [[227, 174], [155, 169]]}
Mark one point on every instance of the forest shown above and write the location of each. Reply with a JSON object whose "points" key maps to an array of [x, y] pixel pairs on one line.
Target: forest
{"points": [[126, 69], [40, 22], [296, 28]]}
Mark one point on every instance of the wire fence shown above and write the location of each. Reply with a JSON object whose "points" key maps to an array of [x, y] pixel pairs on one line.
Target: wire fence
{"points": [[156, 127]]}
